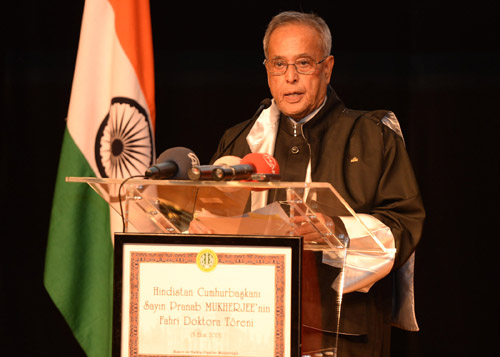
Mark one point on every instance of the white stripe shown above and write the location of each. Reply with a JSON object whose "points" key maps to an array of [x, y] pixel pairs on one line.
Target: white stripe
{"points": [[102, 71]]}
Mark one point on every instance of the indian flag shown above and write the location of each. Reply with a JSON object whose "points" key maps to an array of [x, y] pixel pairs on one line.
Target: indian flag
{"points": [[109, 133]]}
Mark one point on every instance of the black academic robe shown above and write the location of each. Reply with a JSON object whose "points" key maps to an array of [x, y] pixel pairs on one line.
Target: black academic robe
{"points": [[368, 165]]}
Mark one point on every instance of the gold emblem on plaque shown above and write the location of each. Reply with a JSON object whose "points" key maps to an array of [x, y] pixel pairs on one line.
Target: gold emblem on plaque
{"points": [[206, 260]]}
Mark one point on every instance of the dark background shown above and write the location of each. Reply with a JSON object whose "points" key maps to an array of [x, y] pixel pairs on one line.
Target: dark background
{"points": [[435, 64]]}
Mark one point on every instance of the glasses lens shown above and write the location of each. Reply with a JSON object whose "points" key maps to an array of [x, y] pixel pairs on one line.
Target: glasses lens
{"points": [[305, 65], [277, 66]]}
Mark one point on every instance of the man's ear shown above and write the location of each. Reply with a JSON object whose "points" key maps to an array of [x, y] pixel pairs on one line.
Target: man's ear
{"points": [[329, 62]]}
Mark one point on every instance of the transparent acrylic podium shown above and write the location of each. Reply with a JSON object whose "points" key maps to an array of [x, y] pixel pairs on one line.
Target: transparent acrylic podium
{"points": [[232, 208]]}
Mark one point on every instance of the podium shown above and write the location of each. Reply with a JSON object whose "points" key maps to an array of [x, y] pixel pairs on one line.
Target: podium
{"points": [[239, 226]]}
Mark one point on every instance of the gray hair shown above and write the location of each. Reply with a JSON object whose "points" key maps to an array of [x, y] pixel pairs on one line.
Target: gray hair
{"points": [[294, 17]]}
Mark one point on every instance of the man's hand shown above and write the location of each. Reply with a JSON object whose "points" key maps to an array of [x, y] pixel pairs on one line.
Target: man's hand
{"points": [[314, 228]]}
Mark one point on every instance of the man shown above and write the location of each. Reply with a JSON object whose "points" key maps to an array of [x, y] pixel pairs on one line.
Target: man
{"points": [[315, 138]]}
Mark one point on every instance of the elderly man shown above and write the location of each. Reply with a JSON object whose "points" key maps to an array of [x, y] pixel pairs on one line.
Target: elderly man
{"points": [[316, 138]]}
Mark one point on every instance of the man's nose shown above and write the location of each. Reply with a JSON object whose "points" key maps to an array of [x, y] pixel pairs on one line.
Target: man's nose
{"points": [[291, 74]]}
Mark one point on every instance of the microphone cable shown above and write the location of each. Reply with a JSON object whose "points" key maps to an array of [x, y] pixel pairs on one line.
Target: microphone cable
{"points": [[120, 197]]}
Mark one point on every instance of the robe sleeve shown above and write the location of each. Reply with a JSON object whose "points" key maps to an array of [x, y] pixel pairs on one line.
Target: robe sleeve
{"points": [[397, 202]]}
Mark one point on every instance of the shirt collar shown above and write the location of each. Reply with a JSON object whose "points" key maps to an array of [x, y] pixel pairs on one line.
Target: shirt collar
{"points": [[311, 115]]}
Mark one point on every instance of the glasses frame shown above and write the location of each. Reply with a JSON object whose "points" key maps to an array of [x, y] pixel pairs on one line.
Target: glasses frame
{"points": [[295, 65]]}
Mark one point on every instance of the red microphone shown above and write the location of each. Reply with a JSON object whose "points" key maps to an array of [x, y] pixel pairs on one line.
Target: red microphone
{"points": [[266, 166], [254, 167]]}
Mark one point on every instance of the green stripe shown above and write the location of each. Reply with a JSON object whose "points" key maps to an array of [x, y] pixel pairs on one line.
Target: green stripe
{"points": [[78, 263]]}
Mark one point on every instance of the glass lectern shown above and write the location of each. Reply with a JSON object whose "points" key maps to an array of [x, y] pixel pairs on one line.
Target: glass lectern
{"points": [[257, 209]]}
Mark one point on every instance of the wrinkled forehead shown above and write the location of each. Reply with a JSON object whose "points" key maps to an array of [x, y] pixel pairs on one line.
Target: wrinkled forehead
{"points": [[293, 40]]}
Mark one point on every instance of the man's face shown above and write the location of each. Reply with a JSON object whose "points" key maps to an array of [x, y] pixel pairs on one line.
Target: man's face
{"points": [[297, 95]]}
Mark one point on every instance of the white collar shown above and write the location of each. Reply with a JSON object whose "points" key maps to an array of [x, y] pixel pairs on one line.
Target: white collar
{"points": [[261, 137], [311, 115]]}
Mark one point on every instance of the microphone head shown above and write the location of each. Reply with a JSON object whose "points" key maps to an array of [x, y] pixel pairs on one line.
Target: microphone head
{"points": [[266, 103], [228, 160], [264, 163], [183, 157]]}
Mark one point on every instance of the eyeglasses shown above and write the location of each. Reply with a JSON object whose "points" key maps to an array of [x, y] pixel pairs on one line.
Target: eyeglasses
{"points": [[303, 65]]}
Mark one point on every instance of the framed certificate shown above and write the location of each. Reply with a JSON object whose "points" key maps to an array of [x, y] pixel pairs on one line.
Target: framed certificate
{"points": [[206, 295]]}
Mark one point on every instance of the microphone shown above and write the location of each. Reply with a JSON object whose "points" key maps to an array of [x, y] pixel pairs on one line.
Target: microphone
{"points": [[264, 104], [227, 160], [254, 166], [174, 164], [235, 172], [204, 172], [201, 172]]}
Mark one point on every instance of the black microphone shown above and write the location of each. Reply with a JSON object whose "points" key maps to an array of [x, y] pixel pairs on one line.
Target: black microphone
{"points": [[206, 172], [174, 164], [235, 172], [264, 104], [251, 164], [202, 172]]}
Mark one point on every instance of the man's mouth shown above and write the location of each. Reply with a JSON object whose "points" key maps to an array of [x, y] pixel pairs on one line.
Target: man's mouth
{"points": [[293, 97]]}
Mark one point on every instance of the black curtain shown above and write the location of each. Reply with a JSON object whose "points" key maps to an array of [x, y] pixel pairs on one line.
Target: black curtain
{"points": [[435, 64]]}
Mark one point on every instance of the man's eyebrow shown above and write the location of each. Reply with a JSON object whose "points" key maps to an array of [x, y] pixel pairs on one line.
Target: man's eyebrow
{"points": [[302, 55]]}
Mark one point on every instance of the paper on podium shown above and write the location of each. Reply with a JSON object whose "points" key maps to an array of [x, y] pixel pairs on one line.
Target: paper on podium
{"points": [[269, 220]]}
